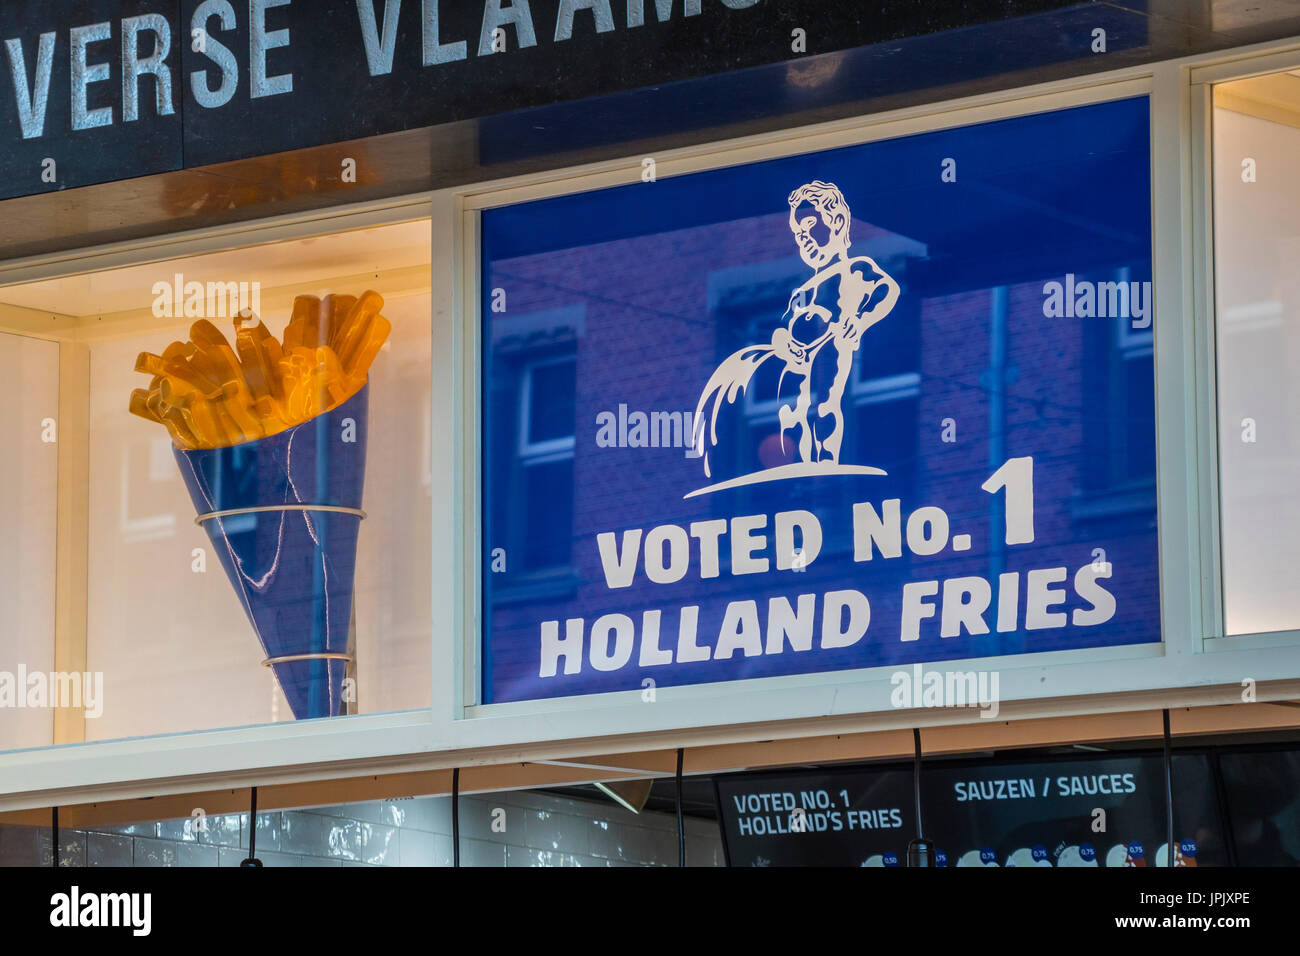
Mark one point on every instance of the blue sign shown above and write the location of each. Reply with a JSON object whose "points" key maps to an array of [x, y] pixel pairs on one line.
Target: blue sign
{"points": [[884, 405]]}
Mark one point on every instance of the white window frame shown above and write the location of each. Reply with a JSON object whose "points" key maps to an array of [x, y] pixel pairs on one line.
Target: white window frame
{"points": [[457, 731], [1202, 77], [1168, 669]]}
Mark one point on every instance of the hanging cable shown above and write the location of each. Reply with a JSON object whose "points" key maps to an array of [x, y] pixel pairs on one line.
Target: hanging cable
{"points": [[916, 777], [252, 833], [55, 835], [455, 817], [1169, 795], [681, 825], [920, 852]]}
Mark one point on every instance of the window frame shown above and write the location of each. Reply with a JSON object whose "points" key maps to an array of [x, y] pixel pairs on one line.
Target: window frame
{"points": [[154, 765], [1180, 487], [1272, 58]]}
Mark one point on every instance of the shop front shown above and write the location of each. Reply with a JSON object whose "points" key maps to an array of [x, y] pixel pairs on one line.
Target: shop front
{"points": [[583, 433]]}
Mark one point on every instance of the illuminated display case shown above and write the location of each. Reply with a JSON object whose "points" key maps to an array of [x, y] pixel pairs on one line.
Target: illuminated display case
{"points": [[282, 574]]}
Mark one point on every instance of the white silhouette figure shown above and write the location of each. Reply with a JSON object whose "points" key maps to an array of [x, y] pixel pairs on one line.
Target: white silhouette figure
{"points": [[821, 329]]}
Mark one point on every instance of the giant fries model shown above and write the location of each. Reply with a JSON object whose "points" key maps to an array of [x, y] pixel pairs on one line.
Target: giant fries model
{"points": [[209, 395], [270, 437]]}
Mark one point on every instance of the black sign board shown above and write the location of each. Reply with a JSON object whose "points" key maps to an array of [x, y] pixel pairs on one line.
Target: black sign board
{"points": [[1106, 811], [95, 90], [1071, 812], [827, 818]]}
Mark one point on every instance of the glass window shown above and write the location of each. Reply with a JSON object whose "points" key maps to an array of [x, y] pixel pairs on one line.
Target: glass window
{"points": [[1257, 292], [703, 397], [257, 534], [29, 479], [548, 400], [1262, 790], [630, 823]]}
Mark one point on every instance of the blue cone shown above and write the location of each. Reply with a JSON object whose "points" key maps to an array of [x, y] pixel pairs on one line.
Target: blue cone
{"points": [[292, 569]]}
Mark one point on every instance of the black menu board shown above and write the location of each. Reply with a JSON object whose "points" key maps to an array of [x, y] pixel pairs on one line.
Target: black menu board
{"points": [[1088, 811], [827, 818], [1077, 811]]}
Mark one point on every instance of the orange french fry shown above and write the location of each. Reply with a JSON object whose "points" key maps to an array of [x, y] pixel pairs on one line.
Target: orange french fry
{"points": [[340, 307], [354, 327], [209, 370], [214, 347], [182, 373], [257, 373], [259, 353], [306, 308], [206, 335], [208, 428], [352, 341], [178, 429], [174, 391], [313, 388], [358, 365], [295, 369], [272, 353], [140, 405], [296, 363], [185, 412], [150, 363], [297, 401], [316, 329], [329, 378], [233, 434], [237, 403], [180, 417]]}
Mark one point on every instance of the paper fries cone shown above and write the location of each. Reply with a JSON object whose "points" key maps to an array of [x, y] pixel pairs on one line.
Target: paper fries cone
{"points": [[283, 514]]}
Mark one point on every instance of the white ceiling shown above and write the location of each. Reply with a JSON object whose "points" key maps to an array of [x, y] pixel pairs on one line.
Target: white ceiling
{"points": [[300, 264]]}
